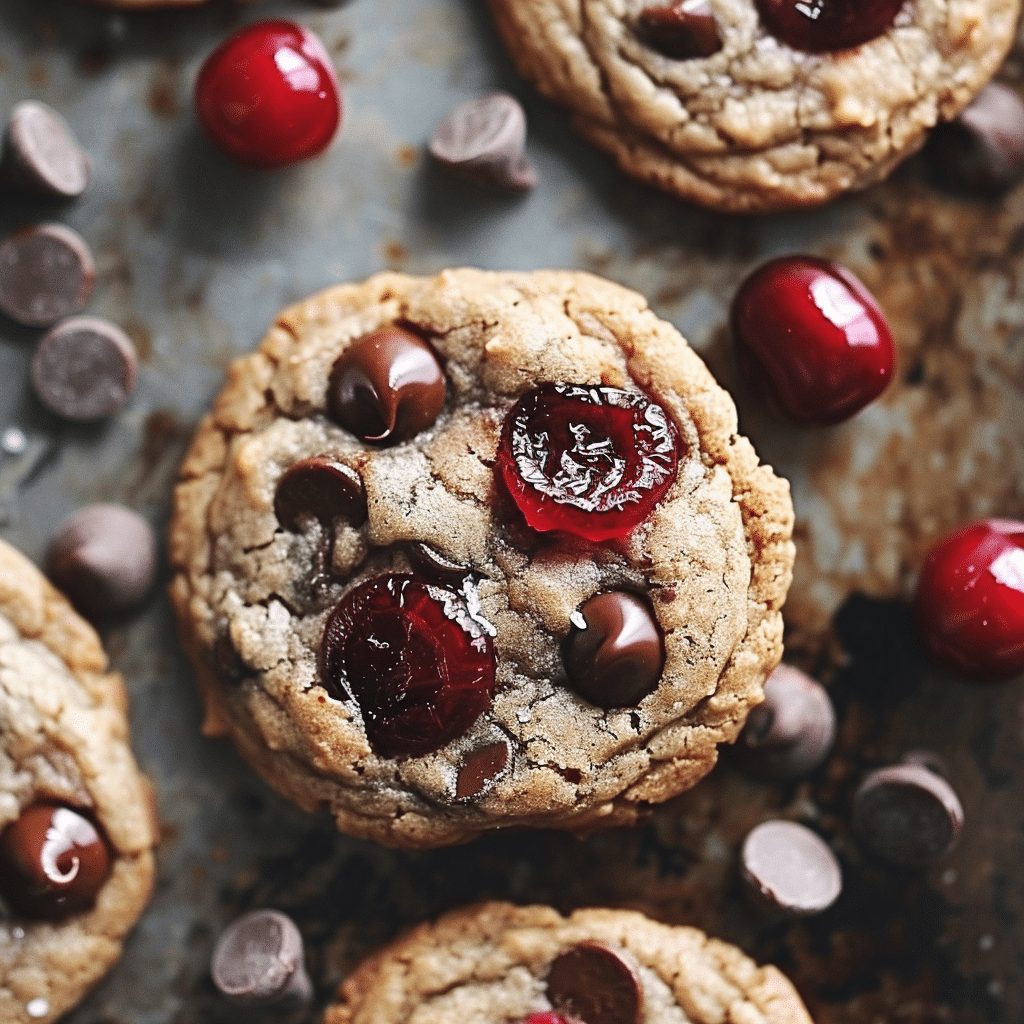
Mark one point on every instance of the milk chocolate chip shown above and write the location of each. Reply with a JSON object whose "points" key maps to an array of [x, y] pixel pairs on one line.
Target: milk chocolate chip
{"points": [[41, 154], [46, 272], [386, 386], [479, 769], [53, 862], [322, 489], [84, 369], [593, 983], [682, 30], [615, 651]]}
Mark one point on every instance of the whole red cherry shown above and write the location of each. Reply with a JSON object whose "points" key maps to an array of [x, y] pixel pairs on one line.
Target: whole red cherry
{"points": [[267, 96], [969, 605], [813, 337], [825, 26]]}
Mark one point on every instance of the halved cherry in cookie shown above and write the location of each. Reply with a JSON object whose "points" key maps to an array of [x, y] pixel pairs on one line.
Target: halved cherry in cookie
{"points": [[969, 604], [589, 459], [825, 26], [53, 861], [386, 387], [416, 658]]}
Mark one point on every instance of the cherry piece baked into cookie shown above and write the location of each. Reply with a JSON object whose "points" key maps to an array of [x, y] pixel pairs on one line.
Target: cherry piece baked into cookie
{"points": [[77, 821], [496, 963], [477, 551], [758, 105]]}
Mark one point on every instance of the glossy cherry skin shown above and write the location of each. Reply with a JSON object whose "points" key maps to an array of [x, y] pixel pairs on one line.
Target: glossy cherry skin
{"points": [[547, 1017], [969, 604], [810, 335], [267, 96], [826, 26]]}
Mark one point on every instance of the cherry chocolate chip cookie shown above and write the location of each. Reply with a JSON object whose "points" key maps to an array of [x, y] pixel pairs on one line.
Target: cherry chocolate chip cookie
{"points": [[753, 106], [477, 551], [495, 962], [77, 821]]}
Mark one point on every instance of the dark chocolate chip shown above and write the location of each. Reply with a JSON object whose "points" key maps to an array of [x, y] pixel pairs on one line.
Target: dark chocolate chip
{"points": [[46, 272], [259, 959], [41, 155], [84, 369], [982, 150], [53, 862], [789, 870], [791, 733], [907, 815], [428, 561], [479, 769], [104, 558], [228, 665], [386, 386], [322, 489], [682, 31], [614, 652], [482, 141], [594, 983]]}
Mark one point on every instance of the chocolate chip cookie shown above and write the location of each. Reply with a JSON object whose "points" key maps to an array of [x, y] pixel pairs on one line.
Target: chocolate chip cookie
{"points": [[496, 962], [477, 551], [77, 823], [758, 105]]}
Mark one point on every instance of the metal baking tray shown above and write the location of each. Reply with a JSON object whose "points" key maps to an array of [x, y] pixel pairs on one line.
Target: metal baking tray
{"points": [[195, 256]]}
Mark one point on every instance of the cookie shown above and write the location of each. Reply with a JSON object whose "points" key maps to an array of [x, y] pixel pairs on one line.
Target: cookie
{"points": [[746, 106], [375, 623], [77, 825], [496, 962]]}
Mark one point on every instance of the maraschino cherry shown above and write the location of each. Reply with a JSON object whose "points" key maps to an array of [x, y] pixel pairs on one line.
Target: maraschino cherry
{"points": [[812, 336], [268, 97], [825, 26], [969, 605]]}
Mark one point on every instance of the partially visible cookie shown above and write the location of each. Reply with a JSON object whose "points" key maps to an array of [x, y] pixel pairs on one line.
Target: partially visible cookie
{"points": [[77, 821], [496, 963], [704, 99], [477, 551]]}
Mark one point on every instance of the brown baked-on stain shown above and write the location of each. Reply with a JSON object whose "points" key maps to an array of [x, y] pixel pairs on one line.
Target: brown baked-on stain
{"points": [[37, 73], [94, 60], [164, 90], [407, 155], [141, 338], [395, 253]]}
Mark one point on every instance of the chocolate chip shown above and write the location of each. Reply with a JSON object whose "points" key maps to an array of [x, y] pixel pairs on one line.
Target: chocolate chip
{"points": [[594, 983], [322, 489], [907, 815], [53, 862], [479, 769], [46, 273], [482, 141], [982, 150], [104, 558], [386, 386], [84, 369], [41, 154], [259, 959], [228, 665], [682, 31], [428, 561], [791, 733], [614, 652], [789, 870]]}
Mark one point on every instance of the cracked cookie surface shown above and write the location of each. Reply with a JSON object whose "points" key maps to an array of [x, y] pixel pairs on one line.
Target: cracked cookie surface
{"points": [[64, 741], [494, 963], [711, 562], [756, 126]]}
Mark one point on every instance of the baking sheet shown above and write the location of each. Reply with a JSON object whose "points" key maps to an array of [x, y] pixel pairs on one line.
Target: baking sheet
{"points": [[195, 256]]}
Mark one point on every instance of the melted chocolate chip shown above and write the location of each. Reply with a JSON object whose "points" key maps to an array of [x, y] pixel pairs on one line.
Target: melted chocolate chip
{"points": [[227, 662], [615, 652], [792, 732], [907, 814], [682, 31], [386, 386], [53, 862], [41, 154], [593, 983], [479, 769], [322, 489], [428, 561]]}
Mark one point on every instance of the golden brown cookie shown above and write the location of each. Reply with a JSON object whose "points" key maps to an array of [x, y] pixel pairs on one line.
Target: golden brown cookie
{"points": [[372, 618], [77, 821], [721, 102], [496, 963]]}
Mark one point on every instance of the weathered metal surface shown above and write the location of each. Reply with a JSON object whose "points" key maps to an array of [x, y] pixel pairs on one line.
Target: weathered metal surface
{"points": [[195, 257]]}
